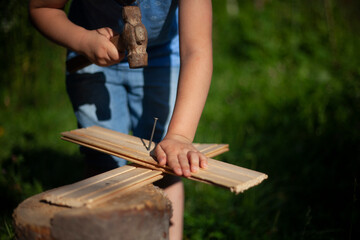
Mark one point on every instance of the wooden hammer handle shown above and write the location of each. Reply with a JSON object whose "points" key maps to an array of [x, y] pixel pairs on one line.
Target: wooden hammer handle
{"points": [[76, 63]]}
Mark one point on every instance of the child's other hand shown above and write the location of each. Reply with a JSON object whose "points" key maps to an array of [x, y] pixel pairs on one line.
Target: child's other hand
{"points": [[179, 154], [96, 45]]}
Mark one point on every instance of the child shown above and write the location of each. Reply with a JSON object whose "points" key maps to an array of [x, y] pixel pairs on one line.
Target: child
{"points": [[173, 87]]}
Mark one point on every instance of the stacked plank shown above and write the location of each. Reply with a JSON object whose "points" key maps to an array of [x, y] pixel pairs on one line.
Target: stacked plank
{"points": [[134, 149], [100, 188]]}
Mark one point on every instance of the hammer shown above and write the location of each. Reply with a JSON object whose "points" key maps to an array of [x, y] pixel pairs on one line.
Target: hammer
{"points": [[133, 38]]}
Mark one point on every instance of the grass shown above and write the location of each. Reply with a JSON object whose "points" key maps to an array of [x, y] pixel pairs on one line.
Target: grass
{"points": [[285, 95]]}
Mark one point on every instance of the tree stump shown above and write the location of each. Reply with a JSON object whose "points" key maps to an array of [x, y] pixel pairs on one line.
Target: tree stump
{"points": [[141, 214]]}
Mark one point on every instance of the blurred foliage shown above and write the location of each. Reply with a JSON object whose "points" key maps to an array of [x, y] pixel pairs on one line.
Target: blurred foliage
{"points": [[285, 96], [34, 109]]}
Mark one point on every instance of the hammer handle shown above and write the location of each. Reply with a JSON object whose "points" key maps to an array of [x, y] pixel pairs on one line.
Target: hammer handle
{"points": [[78, 62]]}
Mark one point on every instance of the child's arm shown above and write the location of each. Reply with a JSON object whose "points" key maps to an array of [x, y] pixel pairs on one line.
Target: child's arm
{"points": [[176, 150], [50, 19]]}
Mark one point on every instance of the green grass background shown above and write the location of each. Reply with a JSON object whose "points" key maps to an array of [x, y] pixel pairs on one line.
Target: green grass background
{"points": [[285, 95]]}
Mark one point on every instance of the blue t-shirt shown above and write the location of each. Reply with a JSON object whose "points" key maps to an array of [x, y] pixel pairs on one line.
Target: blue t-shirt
{"points": [[160, 18]]}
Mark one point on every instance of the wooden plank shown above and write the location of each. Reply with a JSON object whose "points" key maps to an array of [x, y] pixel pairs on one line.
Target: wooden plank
{"points": [[125, 137], [107, 183], [214, 178], [133, 149], [236, 181], [139, 146], [91, 203], [208, 147], [139, 150], [133, 180], [96, 192], [212, 150], [154, 167], [118, 135], [115, 153], [234, 168], [227, 173], [90, 141], [102, 187], [112, 149], [165, 169], [203, 147], [64, 190], [216, 151]]}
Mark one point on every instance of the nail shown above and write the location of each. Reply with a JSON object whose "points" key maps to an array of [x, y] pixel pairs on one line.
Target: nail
{"points": [[152, 133]]}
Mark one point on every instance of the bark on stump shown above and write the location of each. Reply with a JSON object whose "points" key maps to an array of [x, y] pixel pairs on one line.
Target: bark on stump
{"points": [[141, 214]]}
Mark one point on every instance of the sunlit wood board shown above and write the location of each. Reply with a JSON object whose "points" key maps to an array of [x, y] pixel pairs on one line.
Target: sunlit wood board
{"points": [[134, 149], [102, 187]]}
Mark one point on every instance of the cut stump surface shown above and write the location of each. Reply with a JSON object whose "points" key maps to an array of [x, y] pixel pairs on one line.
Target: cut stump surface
{"points": [[141, 214]]}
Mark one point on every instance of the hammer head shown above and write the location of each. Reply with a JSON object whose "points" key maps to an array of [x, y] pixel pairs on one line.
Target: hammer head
{"points": [[135, 37]]}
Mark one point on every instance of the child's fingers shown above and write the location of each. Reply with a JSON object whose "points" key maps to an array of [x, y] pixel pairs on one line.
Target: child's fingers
{"points": [[160, 155], [174, 164], [113, 52], [106, 31], [194, 160], [105, 52], [184, 163], [203, 161]]}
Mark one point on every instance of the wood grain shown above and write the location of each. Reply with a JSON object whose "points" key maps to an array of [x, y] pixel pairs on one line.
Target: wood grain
{"points": [[102, 187], [144, 170], [133, 149]]}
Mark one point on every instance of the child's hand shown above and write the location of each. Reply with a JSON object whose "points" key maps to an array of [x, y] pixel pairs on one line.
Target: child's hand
{"points": [[179, 154], [96, 45]]}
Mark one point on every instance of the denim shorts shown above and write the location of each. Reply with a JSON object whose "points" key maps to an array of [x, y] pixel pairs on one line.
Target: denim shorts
{"points": [[122, 99]]}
